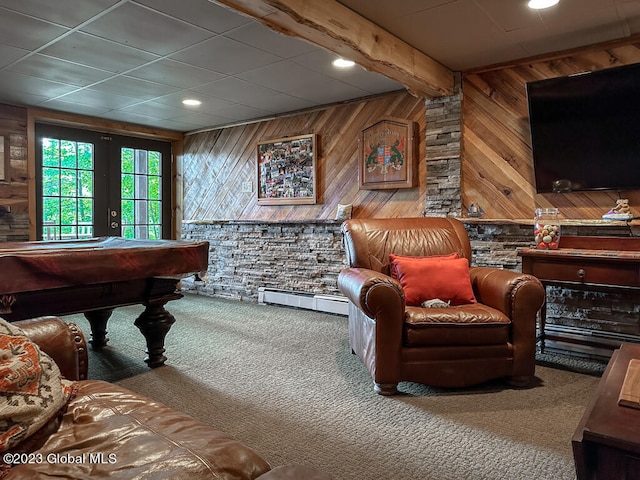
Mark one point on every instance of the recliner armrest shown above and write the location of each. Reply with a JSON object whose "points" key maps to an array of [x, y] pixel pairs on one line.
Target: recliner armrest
{"points": [[371, 291], [512, 293], [63, 342]]}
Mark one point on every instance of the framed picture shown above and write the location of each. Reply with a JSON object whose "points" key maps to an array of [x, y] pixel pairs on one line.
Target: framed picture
{"points": [[4, 158], [388, 155], [287, 171]]}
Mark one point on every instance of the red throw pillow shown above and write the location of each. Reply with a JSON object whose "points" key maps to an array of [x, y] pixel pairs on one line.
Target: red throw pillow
{"points": [[425, 278]]}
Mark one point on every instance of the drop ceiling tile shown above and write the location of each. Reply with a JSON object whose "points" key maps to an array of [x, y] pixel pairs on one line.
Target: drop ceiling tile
{"points": [[32, 85], [259, 36], [156, 110], [175, 74], [132, 87], [282, 76], [144, 29], [13, 27], [242, 92], [94, 98], [209, 104], [571, 17], [486, 54], [129, 117], [12, 97], [203, 13], [630, 9], [59, 70], [434, 33], [202, 120], [178, 126], [382, 11], [234, 90], [371, 82], [510, 19], [225, 56], [320, 61], [633, 25], [281, 102], [324, 90], [565, 41], [10, 54], [241, 112], [78, 108], [98, 53], [74, 12]]}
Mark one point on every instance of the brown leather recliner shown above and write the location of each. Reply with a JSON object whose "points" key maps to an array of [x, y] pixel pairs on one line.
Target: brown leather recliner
{"points": [[110, 431], [457, 346]]}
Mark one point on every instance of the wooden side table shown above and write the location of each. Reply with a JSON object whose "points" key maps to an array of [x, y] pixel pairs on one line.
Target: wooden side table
{"points": [[606, 444], [589, 263]]}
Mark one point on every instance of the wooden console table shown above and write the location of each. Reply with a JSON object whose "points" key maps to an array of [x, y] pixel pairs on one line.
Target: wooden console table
{"points": [[606, 444], [586, 263]]}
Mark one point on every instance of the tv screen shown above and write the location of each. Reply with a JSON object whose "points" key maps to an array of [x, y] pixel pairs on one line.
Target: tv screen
{"points": [[585, 131]]}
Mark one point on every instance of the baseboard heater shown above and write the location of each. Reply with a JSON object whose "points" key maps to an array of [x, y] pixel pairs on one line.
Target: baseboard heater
{"points": [[310, 301], [583, 341]]}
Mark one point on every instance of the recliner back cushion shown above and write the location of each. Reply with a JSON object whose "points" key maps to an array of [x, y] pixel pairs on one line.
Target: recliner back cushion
{"points": [[369, 242]]}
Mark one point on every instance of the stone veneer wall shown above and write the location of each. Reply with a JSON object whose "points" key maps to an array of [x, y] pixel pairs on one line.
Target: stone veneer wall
{"points": [[308, 256], [496, 244], [245, 255], [443, 132]]}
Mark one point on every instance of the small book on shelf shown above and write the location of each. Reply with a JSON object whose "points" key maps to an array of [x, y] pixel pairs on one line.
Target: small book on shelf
{"points": [[630, 391]]}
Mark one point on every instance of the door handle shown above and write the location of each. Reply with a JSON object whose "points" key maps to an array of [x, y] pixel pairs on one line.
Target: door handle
{"points": [[113, 214]]}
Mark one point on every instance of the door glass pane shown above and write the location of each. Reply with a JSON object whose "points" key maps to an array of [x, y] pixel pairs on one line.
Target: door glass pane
{"points": [[67, 189], [141, 193]]}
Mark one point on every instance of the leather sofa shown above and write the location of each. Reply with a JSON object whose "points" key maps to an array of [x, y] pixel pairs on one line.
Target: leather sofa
{"points": [[109, 431], [489, 335]]}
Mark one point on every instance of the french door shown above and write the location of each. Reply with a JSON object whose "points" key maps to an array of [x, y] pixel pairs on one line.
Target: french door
{"points": [[91, 184]]}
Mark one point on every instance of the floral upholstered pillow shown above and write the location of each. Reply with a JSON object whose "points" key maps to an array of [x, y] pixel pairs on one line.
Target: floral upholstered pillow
{"points": [[32, 390]]}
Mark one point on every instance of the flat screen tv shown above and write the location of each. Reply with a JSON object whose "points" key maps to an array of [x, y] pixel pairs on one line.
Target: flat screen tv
{"points": [[585, 131]]}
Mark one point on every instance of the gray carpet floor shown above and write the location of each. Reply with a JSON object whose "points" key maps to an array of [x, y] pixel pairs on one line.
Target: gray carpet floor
{"points": [[284, 382]]}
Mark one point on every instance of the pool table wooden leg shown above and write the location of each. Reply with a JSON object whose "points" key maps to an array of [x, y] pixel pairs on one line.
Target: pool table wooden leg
{"points": [[154, 323], [98, 320]]}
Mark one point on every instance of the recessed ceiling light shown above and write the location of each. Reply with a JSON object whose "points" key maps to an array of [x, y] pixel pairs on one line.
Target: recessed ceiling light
{"points": [[342, 63], [191, 102], [540, 4]]}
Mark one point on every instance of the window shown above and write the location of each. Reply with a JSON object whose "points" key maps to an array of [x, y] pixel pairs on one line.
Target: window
{"points": [[91, 185]]}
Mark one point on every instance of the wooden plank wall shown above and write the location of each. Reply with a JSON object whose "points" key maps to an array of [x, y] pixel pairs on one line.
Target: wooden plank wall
{"points": [[14, 193], [497, 164], [217, 162], [13, 126]]}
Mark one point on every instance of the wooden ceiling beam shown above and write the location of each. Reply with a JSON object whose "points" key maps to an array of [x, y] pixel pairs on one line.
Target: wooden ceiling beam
{"points": [[331, 25]]}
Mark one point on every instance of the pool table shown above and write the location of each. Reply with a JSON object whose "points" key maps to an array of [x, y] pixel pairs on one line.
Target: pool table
{"points": [[95, 276]]}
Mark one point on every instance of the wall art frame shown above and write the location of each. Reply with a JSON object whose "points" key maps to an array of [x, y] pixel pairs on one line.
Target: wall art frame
{"points": [[388, 151], [286, 171]]}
